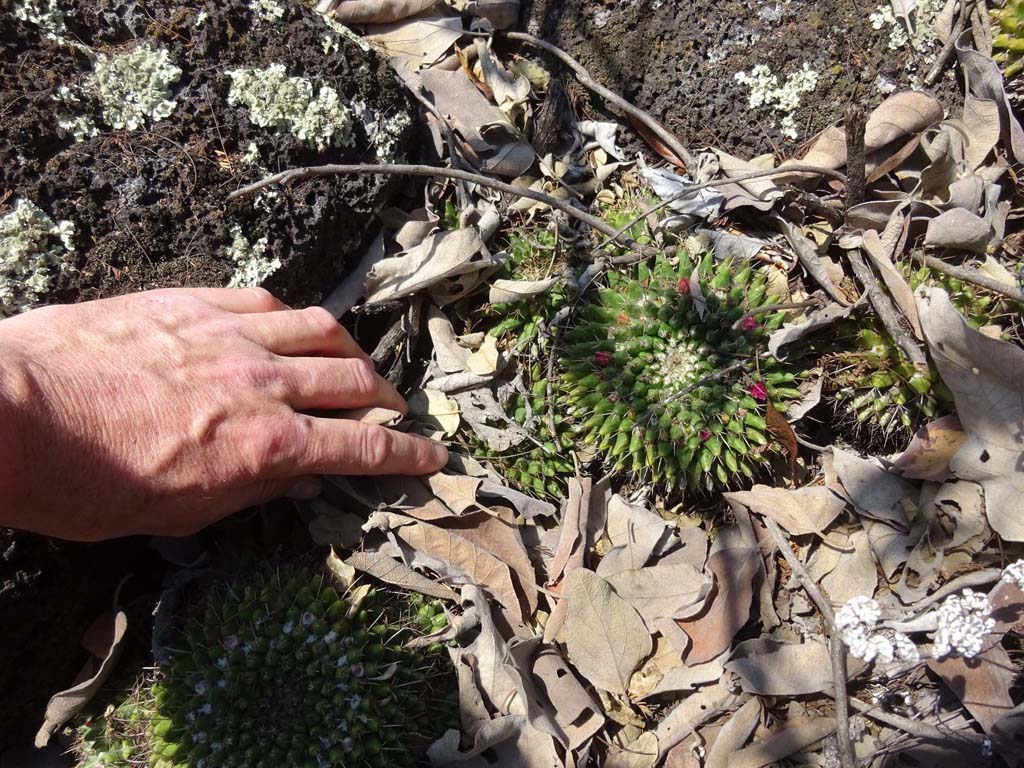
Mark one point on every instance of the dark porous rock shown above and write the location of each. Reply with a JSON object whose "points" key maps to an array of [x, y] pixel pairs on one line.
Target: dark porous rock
{"points": [[148, 201]]}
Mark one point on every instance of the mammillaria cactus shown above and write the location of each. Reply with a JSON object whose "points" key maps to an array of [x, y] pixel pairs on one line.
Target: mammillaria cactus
{"points": [[665, 375], [280, 671], [1008, 41]]}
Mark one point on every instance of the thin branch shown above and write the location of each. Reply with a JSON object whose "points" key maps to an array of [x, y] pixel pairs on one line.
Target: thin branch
{"points": [[972, 276], [964, 741], [837, 650], [855, 155], [885, 309], [449, 134], [935, 72], [386, 169], [668, 138], [783, 171]]}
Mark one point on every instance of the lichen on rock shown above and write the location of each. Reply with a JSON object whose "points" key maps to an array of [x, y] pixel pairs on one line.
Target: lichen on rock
{"points": [[33, 251], [292, 104], [134, 88]]}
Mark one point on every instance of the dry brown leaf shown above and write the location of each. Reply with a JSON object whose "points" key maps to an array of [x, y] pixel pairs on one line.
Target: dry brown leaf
{"points": [[572, 547], [452, 556], [875, 493], [803, 511], [575, 711], [662, 591], [735, 562], [344, 572], [982, 684], [695, 710], [770, 668], [986, 377], [604, 636], [484, 361], [509, 740], [734, 734], [506, 291], [931, 449], [66, 704], [855, 573], [458, 492], [451, 356], [793, 736], [378, 11]]}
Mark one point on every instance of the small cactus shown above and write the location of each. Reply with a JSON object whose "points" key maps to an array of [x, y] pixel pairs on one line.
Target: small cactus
{"points": [[280, 671], [531, 256], [664, 375], [1008, 43]]}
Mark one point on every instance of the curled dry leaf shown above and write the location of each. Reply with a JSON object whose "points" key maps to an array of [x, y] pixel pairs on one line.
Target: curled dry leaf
{"points": [[793, 736], [433, 405], [507, 291], [986, 377], [662, 591], [931, 449], [509, 740], [66, 704], [605, 637], [484, 361], [734, 734], [451, 356]]}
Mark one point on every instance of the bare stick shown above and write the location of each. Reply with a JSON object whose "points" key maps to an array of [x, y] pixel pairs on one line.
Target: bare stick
{"points": [[885, 309], [668, 138], [390, 169], [965, 741], [855, 155], [935, 72], [837, 650], [795, 168], [972, 276]]}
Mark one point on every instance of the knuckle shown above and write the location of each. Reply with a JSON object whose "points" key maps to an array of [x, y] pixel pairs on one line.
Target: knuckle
{"points": [[265, 300], [322, 321], [375, 448], [271, 447], [265, 376], [362, 377]]}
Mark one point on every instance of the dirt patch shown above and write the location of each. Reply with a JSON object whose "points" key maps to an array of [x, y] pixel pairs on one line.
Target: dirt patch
{"points": [[680, 61], [148, 205]]}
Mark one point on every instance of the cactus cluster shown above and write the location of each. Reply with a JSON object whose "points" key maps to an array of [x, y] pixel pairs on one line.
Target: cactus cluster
{"points": [[282, 670], [531, 256], [539, 465], [665, 375], [874, 382], [1008, 42]]}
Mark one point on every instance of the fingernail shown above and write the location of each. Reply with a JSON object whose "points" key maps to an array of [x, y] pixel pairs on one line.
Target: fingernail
{"points": [[305, 488], [440, 453]]}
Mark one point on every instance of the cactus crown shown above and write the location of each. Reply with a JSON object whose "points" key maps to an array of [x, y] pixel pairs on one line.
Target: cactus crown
{"points": [[280, 671], [664, 374]]}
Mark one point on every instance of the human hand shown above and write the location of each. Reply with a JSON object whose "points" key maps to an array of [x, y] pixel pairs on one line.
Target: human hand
{"points": [[162, 412]]}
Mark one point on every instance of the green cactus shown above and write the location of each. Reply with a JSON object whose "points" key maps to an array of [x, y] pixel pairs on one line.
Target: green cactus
{"points": [[531, 256], [872, 380], [1008, 43], [282, 670], [539, 465], [659, 382]]}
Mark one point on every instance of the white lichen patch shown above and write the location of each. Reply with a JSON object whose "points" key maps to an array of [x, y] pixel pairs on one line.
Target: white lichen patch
{"points": [[45, 14], [767, 90], [292, 104], [916, 34], [252, 266], [33, 251], [389, 130], [134, 88], [342, 31], [267, 10], [72, 120]]}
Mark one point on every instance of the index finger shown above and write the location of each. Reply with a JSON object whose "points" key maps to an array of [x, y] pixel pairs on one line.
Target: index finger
{"points": [[344, 447]]}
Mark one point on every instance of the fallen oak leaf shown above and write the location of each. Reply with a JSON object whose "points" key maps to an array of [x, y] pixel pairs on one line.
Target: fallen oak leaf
{"points": [[395, 572], [783, 432], [931, 449]]}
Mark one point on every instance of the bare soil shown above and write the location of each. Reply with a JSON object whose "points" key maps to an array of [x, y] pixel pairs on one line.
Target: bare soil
{"points": [[679, 61]]}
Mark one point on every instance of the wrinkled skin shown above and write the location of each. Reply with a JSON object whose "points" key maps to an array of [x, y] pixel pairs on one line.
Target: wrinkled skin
{"points": [[162, 412]]}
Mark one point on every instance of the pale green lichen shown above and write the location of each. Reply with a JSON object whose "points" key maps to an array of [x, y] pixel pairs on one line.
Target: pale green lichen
{"points": [[342, 31], [45, 14], [917, 33], [389, 130], [292, 104], [33, 251], [73, 122], [252, 266], [767, 90], [134, 87]]}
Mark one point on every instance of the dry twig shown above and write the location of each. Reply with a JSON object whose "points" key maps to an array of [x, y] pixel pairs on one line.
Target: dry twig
{"points": [[972, 276], [391, 169], [885, 309], [847, 758], [964, 741]]}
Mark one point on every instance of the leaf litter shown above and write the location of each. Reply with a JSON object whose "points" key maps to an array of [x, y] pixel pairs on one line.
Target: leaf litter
{"points": [[619, 622]]}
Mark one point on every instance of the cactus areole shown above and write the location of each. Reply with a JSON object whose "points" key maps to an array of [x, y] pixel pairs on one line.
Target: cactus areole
{"points": [[665, 373]]}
